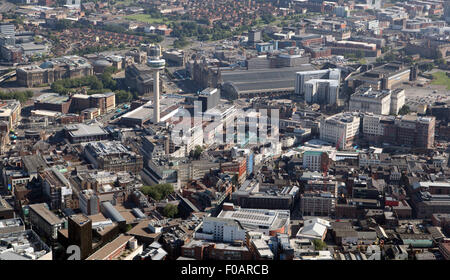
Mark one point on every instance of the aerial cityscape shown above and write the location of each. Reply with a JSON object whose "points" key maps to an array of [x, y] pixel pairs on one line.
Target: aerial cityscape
{"points": [[225, 130]]}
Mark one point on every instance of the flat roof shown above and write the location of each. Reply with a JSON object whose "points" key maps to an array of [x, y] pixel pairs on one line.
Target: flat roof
{"points": [[104, 252], [46, 214], [83, 130]]}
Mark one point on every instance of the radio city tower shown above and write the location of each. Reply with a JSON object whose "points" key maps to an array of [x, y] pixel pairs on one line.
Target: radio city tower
{"points": [[157, 64]]}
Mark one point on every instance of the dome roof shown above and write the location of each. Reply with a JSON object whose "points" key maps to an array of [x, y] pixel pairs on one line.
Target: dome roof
{"points": [[102, 62], [47, 64]]}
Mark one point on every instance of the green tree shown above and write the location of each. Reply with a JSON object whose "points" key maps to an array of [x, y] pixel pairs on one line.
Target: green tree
{"points": [[170, 210], [158, 192], [404, 110], [319, 245], [197, 152]]}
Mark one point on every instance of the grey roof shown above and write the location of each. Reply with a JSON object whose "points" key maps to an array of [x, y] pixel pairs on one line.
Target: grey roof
{"points": [[264, 79], [83, 130], [46, 214], [110, 212], [12, 256], [33, 162]]}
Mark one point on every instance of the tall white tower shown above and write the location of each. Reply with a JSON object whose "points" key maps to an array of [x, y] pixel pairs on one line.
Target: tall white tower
{"points": [[156, 64]]}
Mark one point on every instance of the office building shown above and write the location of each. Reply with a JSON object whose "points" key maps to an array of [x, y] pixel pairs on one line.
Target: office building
{"points": [[252, 194], [78, 133], [447, 11], [318, 86], [209, 97], [22, 246], [340, 129], [6, 210], [112, 156], [410, 130], [254, 36], [220, 230], [317, 203], [80, 234], [386, 76], [269, 222], [44, 221], [381, 102], [10, 112], [89, 202], [56, 188], [124, 247]]}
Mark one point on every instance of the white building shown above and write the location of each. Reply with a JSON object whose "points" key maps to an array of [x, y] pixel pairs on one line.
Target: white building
{"points": [[321, 91], [372, 125], [397, 100], [383, 102], [315, 228], [340, 129], [370, 101], [305, 76], [220, 230], [89, 202]]}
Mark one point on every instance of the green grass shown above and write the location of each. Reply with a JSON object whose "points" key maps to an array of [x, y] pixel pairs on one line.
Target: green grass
{"points": [[440, 78], [148, 19]]}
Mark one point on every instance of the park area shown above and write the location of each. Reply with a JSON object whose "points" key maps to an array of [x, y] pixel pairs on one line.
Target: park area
{"points": [[442, 79], [148, 19]]}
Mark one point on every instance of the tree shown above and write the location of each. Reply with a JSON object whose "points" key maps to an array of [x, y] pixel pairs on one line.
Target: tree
{"points": [[404, 110], [197, 152], [426, 67], [319, 245], [158, 192], [170, 210]]}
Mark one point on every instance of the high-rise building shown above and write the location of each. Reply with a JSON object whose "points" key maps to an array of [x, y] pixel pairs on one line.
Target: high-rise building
{"points": [[321, 91], [318, 86], [254, 36], [340, 129], [80, 234]]}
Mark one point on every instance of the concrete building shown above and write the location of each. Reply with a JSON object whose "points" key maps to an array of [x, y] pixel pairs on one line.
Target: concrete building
{"points": [[269, 222], [382, 102], [367, 100], [78, 133], [112, 156], [410, 130], [124, 247], [320, 75], [10, 112], [317, 203], [386, 76], [340, 129], [53, 102], [44, 221], [220, 230], [56, 188], [89, 202]]}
